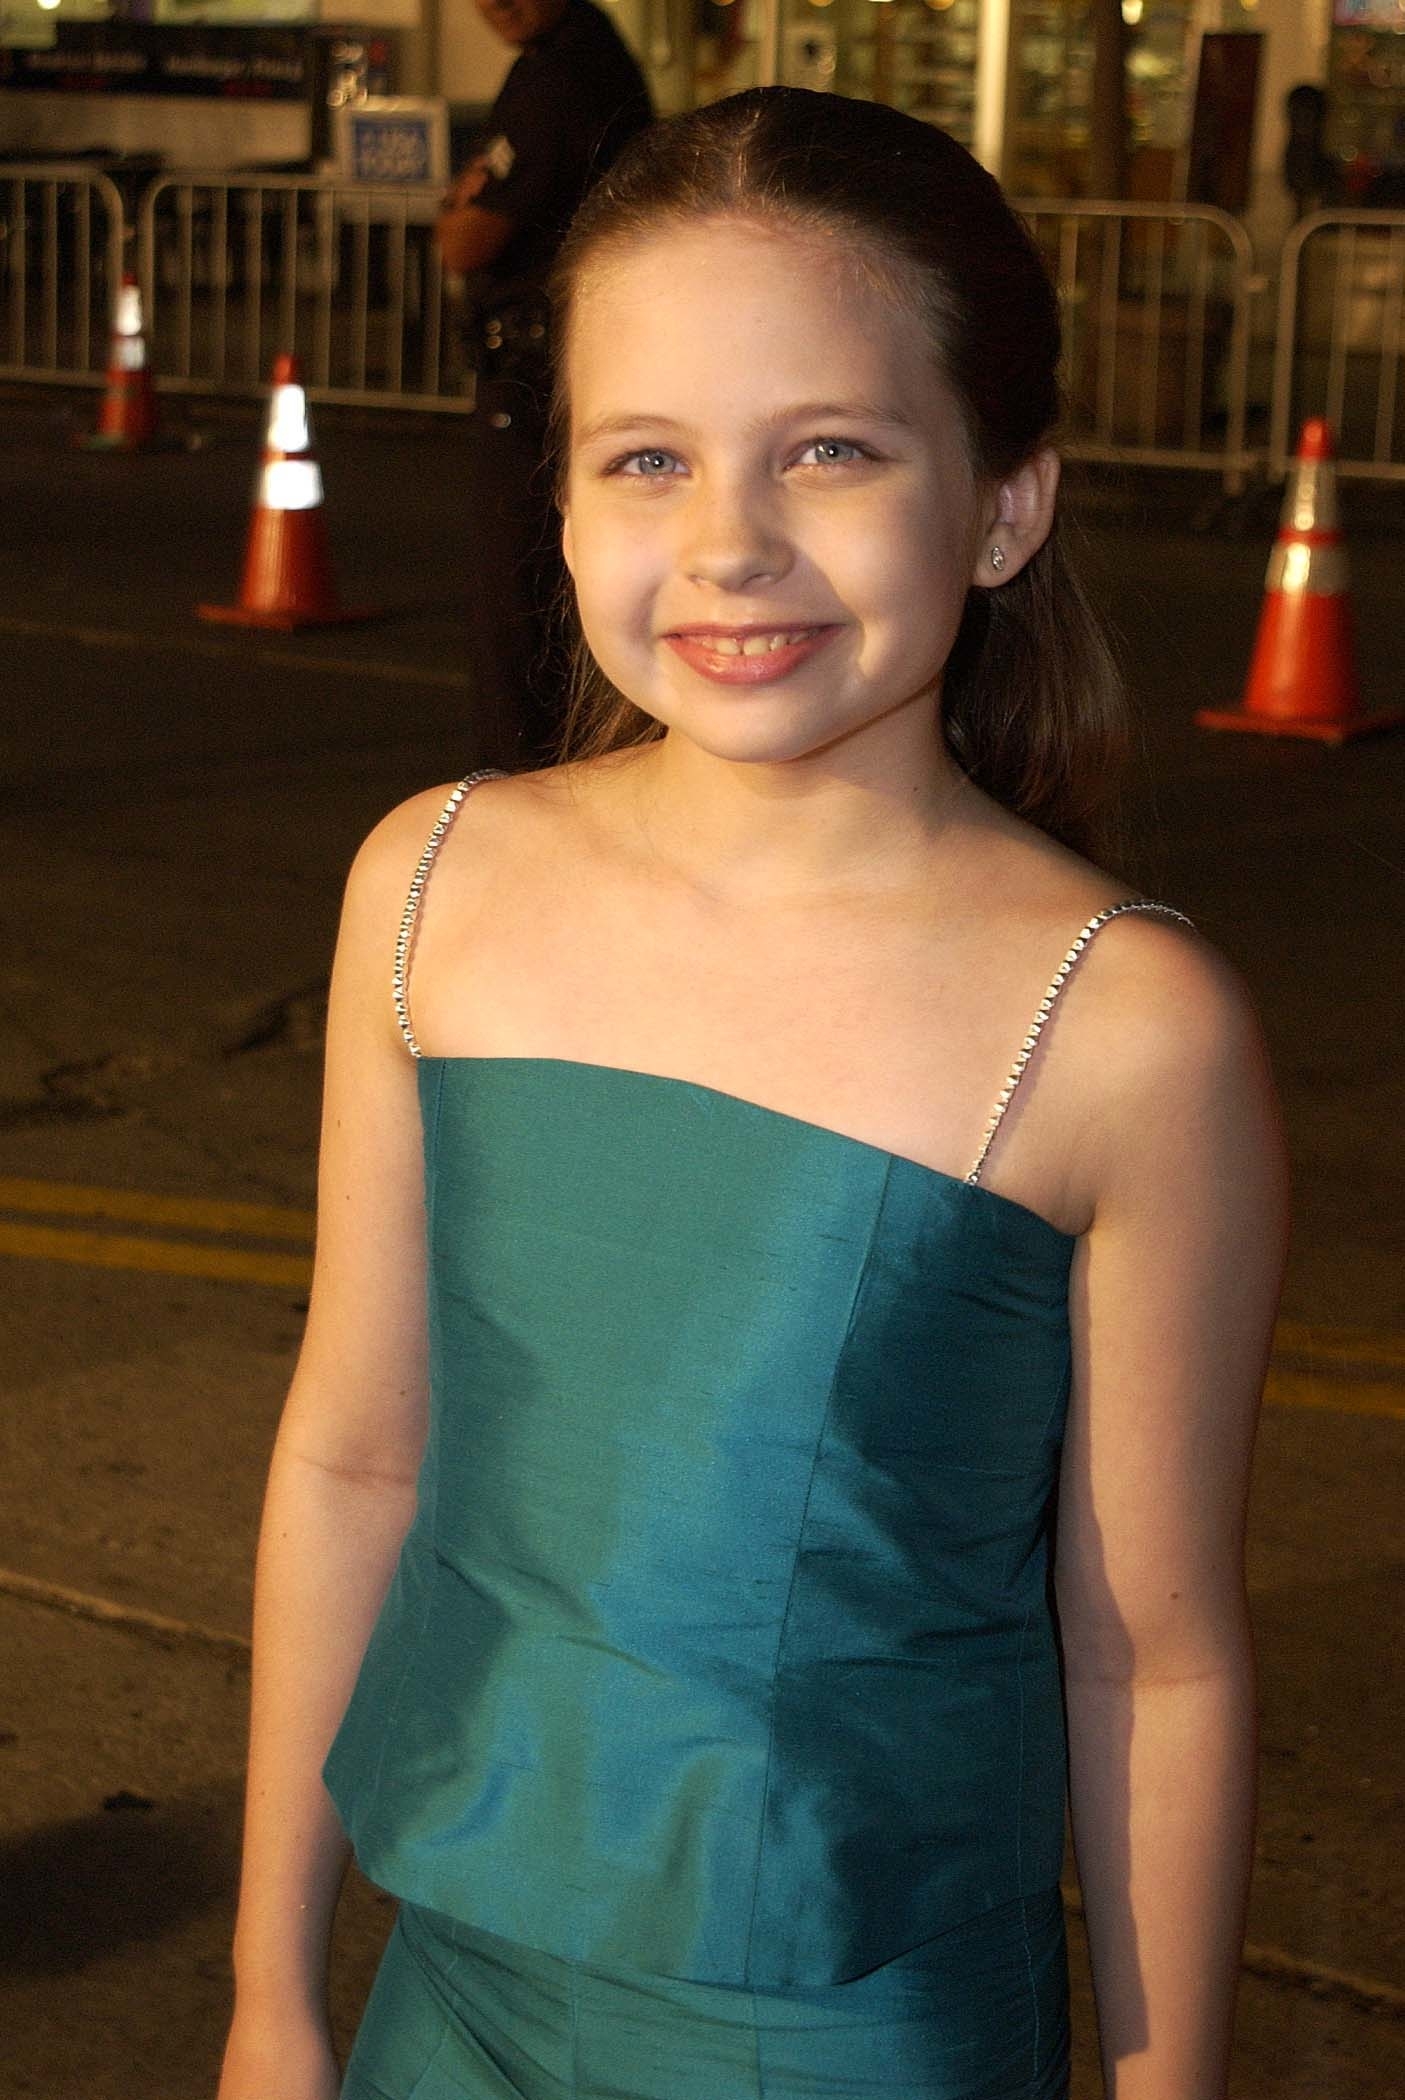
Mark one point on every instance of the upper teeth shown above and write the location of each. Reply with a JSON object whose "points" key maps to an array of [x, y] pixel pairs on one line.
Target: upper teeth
{"points": [[754, 644]]}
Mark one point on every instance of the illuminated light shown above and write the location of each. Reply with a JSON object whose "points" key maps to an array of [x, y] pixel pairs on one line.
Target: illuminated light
{"points": [[49, 6], [292, 484], [287, 423], [1131, 12], [939, 7], [1296, 566]]}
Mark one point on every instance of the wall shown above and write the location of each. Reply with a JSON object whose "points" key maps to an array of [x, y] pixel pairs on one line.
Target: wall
{"points": [[473, 62], [192, 133]]}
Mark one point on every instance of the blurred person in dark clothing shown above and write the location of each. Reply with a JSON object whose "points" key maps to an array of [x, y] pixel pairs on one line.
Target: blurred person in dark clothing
{"points": [[572, 99]]}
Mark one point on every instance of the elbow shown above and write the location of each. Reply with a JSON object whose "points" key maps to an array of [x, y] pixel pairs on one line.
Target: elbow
{"points": [[1179, 1625], [1181, 1655]]}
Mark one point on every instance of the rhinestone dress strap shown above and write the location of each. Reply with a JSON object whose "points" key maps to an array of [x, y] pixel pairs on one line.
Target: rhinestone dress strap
{"points": [[1046, 1007], [409, 918]]}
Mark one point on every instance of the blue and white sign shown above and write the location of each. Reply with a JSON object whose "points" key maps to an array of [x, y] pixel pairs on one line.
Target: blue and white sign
{"points": [[393, 138]]}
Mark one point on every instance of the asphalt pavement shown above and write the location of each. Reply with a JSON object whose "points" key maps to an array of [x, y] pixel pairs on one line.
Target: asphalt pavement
{"points": [[178, 805]]}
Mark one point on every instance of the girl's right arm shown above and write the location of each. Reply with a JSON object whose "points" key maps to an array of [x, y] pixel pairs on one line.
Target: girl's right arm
{"points": [[341, 1490]]}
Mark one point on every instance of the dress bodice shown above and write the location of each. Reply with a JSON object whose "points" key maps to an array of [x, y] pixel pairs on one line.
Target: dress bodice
{"points": [[720, 1644]]}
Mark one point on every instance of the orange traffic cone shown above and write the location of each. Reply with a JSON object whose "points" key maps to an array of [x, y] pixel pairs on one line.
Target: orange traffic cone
{"points": [[1302, 680], [287, 580], [127, 419]]}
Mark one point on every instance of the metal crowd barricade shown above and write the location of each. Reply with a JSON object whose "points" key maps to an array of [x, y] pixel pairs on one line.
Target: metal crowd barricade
{"points": [[1155, 300], [1341, 330], [346, 276], [61, 248], [1155, 303]]}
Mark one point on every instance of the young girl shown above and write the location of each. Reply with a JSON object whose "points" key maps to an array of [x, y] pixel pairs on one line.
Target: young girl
{"points": [[710, 1318]]}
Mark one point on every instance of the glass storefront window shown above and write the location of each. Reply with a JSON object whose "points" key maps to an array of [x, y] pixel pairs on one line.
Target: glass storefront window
{"points": [[728, 48], [33, 23], [917, 55], [246, 12], [1051, 56], [29, 25]]}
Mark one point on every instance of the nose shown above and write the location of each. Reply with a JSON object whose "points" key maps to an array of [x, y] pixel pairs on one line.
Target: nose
{"points": [[731, 539]]}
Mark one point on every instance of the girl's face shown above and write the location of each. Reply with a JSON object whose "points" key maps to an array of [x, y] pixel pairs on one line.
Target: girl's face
{"points": [[770, 517]]}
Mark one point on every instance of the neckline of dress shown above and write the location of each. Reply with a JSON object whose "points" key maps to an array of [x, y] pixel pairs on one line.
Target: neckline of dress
{"points": [[780, 1115]]}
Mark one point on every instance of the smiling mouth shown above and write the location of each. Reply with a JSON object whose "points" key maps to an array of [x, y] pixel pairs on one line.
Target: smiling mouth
{"points": [[752, 642]]}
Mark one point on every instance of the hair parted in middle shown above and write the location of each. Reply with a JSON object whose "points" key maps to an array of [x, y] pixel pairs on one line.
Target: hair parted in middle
{"points": [[1032, 704]]}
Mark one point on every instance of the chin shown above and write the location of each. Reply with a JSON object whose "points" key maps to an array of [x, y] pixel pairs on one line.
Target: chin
{"points": [[748, 731]]}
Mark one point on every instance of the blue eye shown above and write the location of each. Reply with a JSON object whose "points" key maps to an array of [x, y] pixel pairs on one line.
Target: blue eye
{"points": [[648, 465], [835, 452]]}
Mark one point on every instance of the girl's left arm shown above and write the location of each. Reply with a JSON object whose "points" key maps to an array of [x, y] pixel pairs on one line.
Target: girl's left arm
{"points": [[1174, 1295]]}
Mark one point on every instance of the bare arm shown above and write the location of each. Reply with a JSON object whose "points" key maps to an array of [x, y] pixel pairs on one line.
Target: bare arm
{"points": [[469, 236], [341, 1491], [1175, 1290]]}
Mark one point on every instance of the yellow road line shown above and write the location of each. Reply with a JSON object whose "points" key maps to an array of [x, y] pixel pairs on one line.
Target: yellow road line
{"points": [[1338, 1370], [1339, 1346], [1341, 1396], [62, 1199], [111, 1250]]}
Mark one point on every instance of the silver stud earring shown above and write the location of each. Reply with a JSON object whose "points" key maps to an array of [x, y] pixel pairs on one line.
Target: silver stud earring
{"points": [[997, 557]]}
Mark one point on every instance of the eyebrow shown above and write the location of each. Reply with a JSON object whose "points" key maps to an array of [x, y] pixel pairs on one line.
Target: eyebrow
{"points": [[810, 411]]}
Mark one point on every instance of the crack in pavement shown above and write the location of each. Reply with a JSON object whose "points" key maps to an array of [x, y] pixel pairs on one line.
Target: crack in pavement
{"points": [[98, 1088]]}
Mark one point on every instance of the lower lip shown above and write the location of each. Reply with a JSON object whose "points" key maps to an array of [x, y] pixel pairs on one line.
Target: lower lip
{"points": [[709, 662]]}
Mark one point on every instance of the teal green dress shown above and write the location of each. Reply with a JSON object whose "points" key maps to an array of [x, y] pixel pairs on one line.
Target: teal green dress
{"points": [[711, 1735]]}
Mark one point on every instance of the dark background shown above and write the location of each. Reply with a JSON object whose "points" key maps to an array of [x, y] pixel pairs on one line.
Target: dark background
{"points": [[178, 805]]}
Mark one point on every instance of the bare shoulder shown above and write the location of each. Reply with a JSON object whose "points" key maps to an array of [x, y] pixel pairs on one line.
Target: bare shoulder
{"points": [[1167, 1004], [1153, 1061], [1178, 1099], [496, 821], [393, 848], [1141, 977]]}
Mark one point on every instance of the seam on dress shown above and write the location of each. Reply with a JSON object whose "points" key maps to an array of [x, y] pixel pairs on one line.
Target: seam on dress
{"points": [[1064, 1395], [1019, 1861], [430, 1147], [859, 1282], [431, 1218], [412, 1647], [575, 2030]]}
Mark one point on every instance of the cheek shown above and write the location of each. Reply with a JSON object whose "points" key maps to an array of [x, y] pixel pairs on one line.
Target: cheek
{"points": [[909, 562], [617, 565]]}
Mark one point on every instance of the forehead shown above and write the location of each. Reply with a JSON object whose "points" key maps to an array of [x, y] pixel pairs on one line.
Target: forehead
{"points": [[730, 311]]}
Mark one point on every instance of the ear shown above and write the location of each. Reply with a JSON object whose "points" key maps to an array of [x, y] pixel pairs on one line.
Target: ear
{"points": [[567, 548], [1018, 518]]}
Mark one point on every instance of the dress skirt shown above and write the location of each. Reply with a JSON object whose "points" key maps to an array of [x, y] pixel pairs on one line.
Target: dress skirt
{"points": [[978, 2013]]}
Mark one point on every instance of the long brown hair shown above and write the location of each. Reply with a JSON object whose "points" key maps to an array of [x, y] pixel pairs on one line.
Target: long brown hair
{"points": [[1032, 704]]}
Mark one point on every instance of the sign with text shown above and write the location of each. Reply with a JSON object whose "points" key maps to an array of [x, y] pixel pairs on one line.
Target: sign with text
{"points": [[393, 138], [133, 58]]}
